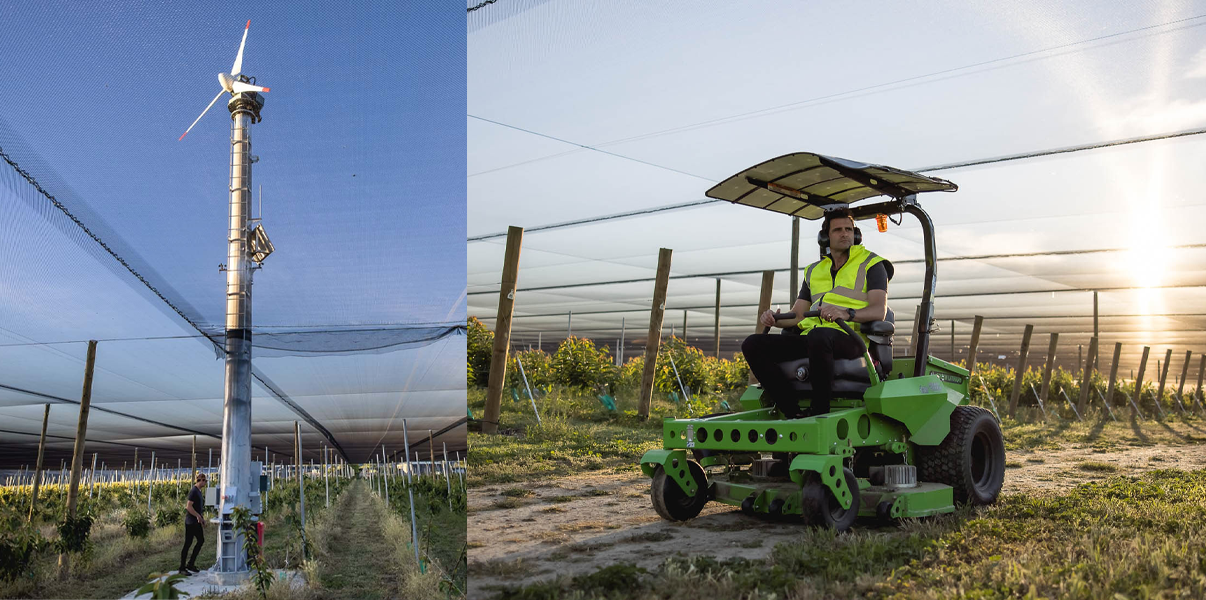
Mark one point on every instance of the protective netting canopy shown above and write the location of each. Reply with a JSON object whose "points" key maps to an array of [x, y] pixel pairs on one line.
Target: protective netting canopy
{"points": [[113, 230], [599, 128]]}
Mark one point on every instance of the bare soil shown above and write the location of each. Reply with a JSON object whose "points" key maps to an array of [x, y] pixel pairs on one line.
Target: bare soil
{"points": [[523, 533]]}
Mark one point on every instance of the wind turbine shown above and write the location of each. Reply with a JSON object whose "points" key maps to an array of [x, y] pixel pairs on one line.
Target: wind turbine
{"points": [[233, 83], [247, 247]]}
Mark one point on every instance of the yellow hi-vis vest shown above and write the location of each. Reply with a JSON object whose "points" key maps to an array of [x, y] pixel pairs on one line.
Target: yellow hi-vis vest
{"points": [[848, 289]]}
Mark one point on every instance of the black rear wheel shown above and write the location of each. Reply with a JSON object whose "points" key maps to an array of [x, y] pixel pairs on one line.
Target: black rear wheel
{"points": [[971, 459], [671, 502]]}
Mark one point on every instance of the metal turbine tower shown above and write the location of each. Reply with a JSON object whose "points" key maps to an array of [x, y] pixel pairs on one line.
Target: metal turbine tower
{"points": [[247, 247]]}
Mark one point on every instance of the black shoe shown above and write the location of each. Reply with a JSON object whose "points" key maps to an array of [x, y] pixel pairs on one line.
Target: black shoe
{"points": [[184, 571], [193, 569]]}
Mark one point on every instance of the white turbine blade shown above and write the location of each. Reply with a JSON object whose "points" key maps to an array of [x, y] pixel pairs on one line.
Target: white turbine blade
{"points": [[238, 64], [239, 86], [211, 103]]}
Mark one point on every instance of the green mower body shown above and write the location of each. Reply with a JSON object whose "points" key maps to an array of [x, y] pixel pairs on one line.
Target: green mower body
{"points": [[760, 462]]}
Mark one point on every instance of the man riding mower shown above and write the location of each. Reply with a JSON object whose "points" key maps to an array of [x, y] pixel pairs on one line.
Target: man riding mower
{"points": [[879, 436]]}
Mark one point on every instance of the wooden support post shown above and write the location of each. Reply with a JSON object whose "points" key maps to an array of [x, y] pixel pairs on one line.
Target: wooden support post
{"points": [[431, 454], [684, 325], [794, 289], [764, 302], [1086, 378], [716, 322], [1113, 372], [81, 430], [1046, 386], [92, 476], [1201, 371], [1184, 374], [1163, 377], [1135, 397], [653, 341], [301, 484], [37, 479], [502, 331], [1017, 379], [193, 464], [975, 344]]}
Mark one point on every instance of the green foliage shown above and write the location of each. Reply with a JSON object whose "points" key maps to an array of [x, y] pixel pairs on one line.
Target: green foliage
{"points": [[261, 575], [537, 366], [74, 532], [137, 522], [479, 346], [18, 547], [578, 363], [166, 518], [164, 588]]}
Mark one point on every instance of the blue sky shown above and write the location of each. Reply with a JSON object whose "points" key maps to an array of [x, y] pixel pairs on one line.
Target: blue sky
{"points": [[362, 150]]}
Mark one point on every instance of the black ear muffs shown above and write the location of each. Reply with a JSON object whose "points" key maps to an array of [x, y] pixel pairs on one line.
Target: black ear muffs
{"points": [[823, 238]]}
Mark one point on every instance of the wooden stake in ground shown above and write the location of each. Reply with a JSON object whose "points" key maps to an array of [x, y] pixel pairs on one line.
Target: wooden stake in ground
{"points": [[1086, 379], [502, 331], [1114, 373], [975, 343], [81, 430], [301, 484], [764, 302], [654, 340], [1046, 387], [37, 479], [716, 323], [1163, 376], [1184, 374], [1198, 390], [1017, 380], [1135, 397]]}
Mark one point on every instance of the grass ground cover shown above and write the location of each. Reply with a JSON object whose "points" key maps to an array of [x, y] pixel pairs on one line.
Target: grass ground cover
{"points": [[365, 553], [117, 563], [440, 513], [1124, 537]]}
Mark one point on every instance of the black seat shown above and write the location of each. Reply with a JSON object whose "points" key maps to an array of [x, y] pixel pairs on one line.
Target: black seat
{"points": [[850, 376]]}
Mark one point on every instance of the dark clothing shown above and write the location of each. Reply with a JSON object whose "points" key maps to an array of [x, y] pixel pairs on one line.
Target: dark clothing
{"points": [[198, 500], [764, 351], [877, 279], [192, 531]]}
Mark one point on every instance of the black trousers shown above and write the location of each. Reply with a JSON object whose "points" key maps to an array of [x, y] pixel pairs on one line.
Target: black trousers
{"points": [[821, 345], [192, 531]]}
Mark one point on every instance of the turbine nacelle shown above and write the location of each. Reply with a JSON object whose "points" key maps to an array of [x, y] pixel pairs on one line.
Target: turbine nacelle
{"points": [[232, 83], [235, 84]]}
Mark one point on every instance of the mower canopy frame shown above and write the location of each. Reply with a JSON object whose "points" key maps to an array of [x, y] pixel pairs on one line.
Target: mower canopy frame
{"points": [[809, 185]]}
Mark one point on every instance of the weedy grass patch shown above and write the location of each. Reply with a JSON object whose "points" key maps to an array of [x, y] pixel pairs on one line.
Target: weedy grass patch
{"points": [[1123, 537]]}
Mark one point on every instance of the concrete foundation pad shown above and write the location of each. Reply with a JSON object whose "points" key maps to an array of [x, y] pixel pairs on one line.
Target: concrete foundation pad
{"points": [[214, 583]]}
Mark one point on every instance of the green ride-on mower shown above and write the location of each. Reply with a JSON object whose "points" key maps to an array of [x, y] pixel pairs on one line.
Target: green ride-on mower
{"points": [[899, 439]]}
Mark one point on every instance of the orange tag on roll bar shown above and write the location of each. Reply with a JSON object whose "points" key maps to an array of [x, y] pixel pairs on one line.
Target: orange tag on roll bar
{"points": [[881, 221]]}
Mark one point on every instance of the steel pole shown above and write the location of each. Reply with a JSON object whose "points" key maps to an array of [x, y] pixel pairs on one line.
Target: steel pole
{"points": [[235, 476]]}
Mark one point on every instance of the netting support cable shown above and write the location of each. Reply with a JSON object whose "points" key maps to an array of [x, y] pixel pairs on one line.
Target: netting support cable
{"points": [[106, 410], [299, 411], [219, 347]]}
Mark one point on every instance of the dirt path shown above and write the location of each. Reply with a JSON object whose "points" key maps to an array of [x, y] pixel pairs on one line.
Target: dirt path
{"points": [[578, 523], [359, 563]]}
